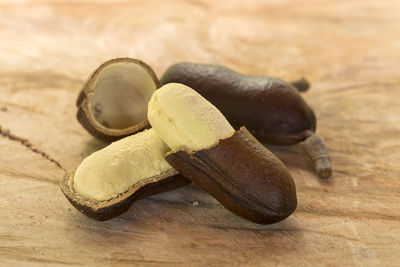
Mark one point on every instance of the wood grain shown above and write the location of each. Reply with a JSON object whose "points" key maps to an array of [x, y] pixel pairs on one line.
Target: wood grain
{"points": [[348, 49]]}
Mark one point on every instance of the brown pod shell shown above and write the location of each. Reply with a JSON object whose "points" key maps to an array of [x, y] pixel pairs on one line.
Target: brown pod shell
{"points": [[271, 109], [242, 175], [108, 209], [122, 85]]}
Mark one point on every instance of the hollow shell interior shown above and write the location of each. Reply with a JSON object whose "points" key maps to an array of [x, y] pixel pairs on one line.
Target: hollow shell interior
{"points": [[121, 92]]}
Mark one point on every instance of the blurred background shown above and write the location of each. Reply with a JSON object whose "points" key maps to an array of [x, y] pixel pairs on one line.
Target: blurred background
{"points": [[326, 39]]}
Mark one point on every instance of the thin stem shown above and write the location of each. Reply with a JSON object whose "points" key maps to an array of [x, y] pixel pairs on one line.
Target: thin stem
{"points": [[315, 148], [301, 85]]}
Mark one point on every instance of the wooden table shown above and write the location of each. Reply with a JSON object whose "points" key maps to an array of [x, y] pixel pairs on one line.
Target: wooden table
{"points": [[350, 50]]}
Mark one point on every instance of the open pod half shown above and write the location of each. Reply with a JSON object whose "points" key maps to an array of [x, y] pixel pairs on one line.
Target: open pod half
{"points": [[113, 102], [110, 180], [232, 166], [108, 209], [244, 176]]}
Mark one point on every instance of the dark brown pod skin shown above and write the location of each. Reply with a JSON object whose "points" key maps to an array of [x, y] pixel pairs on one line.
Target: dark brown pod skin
{"points": [[84, 114], [243, 176], [105, 210], [271, 109]]}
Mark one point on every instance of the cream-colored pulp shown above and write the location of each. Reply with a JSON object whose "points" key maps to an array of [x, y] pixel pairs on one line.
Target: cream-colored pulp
{"points": [[115, 168], [183, 118]]}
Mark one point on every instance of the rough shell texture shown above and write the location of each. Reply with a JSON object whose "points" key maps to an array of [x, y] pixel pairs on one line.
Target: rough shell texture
{"points": [[243, 176]]}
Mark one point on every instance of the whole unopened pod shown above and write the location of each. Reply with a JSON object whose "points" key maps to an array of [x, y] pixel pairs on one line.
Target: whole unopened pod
{"points": [[271, 109]]}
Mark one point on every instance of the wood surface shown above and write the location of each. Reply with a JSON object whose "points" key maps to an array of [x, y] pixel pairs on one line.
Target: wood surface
{"points": [[350, 50]]}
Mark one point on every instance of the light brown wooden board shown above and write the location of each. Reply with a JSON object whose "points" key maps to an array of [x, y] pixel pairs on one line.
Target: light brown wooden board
{"points": [[350, 50]]}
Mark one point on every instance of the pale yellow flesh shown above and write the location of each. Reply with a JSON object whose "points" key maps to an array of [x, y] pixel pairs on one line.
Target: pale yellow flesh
{"points": [[114, 169], [183, 118], [121, 93]]}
